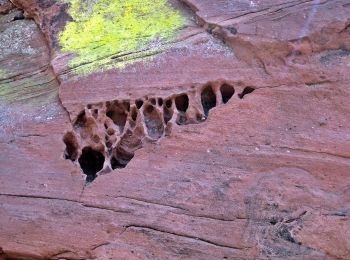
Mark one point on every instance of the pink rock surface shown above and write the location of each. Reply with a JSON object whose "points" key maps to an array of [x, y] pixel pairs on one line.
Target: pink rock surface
{"points": [[240, 149]]}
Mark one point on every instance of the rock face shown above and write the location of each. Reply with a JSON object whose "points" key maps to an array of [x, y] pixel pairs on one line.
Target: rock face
{"points": [[230, 140]]}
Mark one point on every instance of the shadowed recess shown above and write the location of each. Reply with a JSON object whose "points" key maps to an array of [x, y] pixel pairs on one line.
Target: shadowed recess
{"points": [[72, 146], [134, 113], [227, 91], [81, 120], [182, 102], [246, 91], [168, 111], [208, 98], [121, 158], [118, 112], [91, 162], [153, 122], [139, 103]]}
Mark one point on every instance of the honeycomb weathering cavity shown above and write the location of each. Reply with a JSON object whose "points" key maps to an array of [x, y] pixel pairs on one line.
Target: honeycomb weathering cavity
{"points": [[106, 135]]}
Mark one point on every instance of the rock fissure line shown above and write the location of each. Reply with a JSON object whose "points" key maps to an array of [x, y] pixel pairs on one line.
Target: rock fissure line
{"points": [[156, 229], [183, 209], [150, 202]]}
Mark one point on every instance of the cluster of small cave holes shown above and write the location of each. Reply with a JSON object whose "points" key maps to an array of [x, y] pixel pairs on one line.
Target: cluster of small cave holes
{"points": [[106, 135]]}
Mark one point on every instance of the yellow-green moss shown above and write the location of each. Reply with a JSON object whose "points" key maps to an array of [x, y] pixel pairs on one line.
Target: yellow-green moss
{"points": [[104, 29]]}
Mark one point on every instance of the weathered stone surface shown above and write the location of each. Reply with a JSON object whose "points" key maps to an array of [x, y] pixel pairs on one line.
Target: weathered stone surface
{"points": [[249, 160]]}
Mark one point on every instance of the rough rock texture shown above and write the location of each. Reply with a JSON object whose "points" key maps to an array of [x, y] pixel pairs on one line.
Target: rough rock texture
{"points": [[234, 143]]}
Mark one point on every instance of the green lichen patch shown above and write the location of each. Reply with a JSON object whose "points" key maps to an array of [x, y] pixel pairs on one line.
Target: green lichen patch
{"points": [[102, 30]]}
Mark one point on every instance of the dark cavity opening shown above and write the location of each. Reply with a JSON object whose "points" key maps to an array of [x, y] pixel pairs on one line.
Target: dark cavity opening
{"points": [[91, 162], [181, 119], [167, 114], [182, 102], [118, 114], [109, 144], [153, 122], [80, 121], [168, 103], [134, 114], [126, 105], [153, 101], [19, 16], [139, 103], [121, 158], [95, 113], [208, 98], [246, 91], [273, 221], [71, 152], [110, 131], [227, 92], [160, 102], [199, 118]]}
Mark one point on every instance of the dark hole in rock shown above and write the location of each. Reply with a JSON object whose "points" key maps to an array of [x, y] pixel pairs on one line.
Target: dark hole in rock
{"points": [[118, 116], [167, 114], [160, 102], [89, 106], [116, 164], [110, 131], [81, 120], [132, 140], [273, 221], [246, 91], [153, 101], [95, 113], [182, 102], [91, 162], [181, 119], [126, 105], [200, 117], [119, 119], [208, 98], [154, 122], [227, 92], [168, 103], [106, 126], [71, 152], [149, 109], [134, 114], [121, 158], [139, 103], [19, 16]]}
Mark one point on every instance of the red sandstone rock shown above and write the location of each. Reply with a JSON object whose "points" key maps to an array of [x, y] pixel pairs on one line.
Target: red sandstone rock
{"points": [[194, 172]]}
